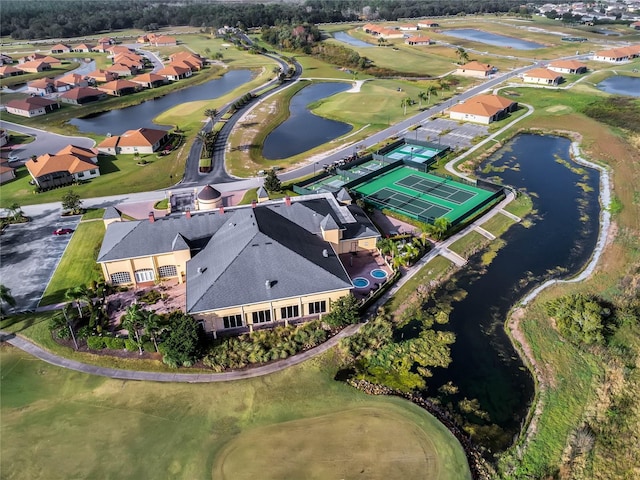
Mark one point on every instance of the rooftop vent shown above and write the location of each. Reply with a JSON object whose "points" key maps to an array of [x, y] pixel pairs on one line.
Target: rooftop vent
{"points": [[267, 284]]}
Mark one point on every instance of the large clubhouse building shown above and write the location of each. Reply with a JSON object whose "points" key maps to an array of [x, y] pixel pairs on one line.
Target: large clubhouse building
{"points": [[273, 261]]}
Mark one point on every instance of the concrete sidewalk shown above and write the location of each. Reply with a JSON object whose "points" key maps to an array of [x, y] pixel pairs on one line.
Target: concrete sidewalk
{"points": [[58, 361]]}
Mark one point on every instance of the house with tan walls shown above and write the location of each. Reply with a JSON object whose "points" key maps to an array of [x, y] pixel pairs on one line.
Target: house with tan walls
{"points": [[542, 76], [483, 109], [475, 69], [142, 140], [70, 164], [267, 263]]}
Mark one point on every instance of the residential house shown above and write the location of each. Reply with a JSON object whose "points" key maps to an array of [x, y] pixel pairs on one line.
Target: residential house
{"points": [[635, 25], [31, 106], [102, 48], [542, 76], [475, 69], [5, 59], [7, 173], [568, 66], [122, 70], [149, 80], [74, 79], [142, 140], [101, 76], [418, 40], [34, 66], [618, 55], [9, 71], [382, 32], [190, 58], [117, 88], [83, 47], [427, 24], [42, 86], [60, 48], [408, 27], [483, 109], [174, 73], [250, 266], [129, 59], [71, 164], [82, 95], [107, 40], [116, 49], [53, 61]]}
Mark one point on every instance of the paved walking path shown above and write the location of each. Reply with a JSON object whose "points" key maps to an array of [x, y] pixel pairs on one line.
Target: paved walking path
{"points": [[453, 256], [53, 359]]}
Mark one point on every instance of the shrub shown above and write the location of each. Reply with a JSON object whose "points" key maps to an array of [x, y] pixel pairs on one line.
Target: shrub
{"points": [[96, 343], [151, 297], [148, 346], [114, 343], [131, 345]]}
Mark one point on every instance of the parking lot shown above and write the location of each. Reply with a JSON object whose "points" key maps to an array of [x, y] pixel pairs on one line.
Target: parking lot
{"points": [[457, 136], [29, 254]]}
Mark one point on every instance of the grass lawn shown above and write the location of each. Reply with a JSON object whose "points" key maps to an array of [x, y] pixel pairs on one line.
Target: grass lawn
{"points": [[78, 264], [498, 224], [57, 423], [468, 244]]}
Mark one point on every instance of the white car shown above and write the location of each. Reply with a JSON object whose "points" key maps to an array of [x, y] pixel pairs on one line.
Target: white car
{"points": [[13, 158]]}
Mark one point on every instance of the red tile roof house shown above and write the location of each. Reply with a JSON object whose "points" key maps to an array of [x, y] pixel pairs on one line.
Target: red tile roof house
{"points": [[9, 71], [122, 70], [150, 80], [31, 106], [568, 66], [427, 24], [635, 25], [475, 69], [102, 47], [618, 55], [483, 109], [43, 58], [143, 140], [134, 65], [60, 48], [82, 95], [83, 47], [5, 59], [163, 41], [69, 165], [75, 80], [42, 86], [6, 173], [189, 56], [118, 88], [34, 66], [107, 40], [114, 50], [102, 76], [173, 73], [408, 27], [418, 40], [542, 76]]}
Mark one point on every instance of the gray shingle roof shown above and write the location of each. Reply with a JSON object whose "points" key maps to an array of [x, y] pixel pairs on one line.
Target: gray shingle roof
{"points": [[262, 193], [111, 212]]}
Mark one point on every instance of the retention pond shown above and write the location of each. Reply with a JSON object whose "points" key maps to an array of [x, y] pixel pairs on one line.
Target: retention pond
{"points": [[492, 39], [557, 243]]}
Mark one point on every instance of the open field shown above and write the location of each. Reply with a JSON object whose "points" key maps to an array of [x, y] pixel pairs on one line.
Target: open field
{"points": [[50, 418]]}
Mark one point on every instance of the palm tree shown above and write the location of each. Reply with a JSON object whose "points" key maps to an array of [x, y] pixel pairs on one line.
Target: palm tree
{"points": [[406, 101], [444, 84], [6, 297], [463, 56], [421, 96], [431, 89], [77, 294], [64, 317], [151, 322], [15, 211], [132, 320], [211, 113], [276, 69]]}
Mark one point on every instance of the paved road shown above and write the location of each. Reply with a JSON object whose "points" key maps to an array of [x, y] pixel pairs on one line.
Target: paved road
{"points": [[45, 142], [58, 361]]}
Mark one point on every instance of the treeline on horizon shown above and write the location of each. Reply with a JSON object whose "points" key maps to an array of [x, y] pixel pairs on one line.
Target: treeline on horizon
{"points": [[43, 19]]}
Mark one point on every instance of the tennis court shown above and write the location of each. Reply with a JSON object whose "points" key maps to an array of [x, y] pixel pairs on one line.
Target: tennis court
{"points": [[413, 153], [423, 196]]}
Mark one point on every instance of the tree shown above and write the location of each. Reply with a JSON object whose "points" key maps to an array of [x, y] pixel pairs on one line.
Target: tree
{"points": [[182, 345], [133, 321], [6, 297], [463, 56], [71, 202], [151, 322], [77, 294], [15, 211], [579, 318], [430, 90], [64, 318], [421, 96], [272, 182], [211, 113], [344, 311], [405, 102], [440, 227]]}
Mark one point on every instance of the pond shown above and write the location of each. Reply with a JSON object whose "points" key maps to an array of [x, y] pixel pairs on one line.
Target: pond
{"points": [[621, 85], [346, 38], [138, 116], [303, 130], [492, 39], [561, 239]]}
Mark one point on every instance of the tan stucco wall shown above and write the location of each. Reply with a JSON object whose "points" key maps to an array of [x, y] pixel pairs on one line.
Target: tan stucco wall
{"points": [[178, 258], [469, 118], [471, 73]]}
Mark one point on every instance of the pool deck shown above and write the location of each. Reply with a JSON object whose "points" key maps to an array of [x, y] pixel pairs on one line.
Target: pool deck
{"points": [[360, 266]]}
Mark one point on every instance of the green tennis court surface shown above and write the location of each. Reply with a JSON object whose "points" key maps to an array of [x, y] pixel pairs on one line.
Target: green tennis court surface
{"points": [[413, 153], [421, 195]]}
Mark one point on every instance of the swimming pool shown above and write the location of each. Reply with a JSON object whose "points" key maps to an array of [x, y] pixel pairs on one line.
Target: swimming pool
{"points": [[378, 273], [360, 282]]}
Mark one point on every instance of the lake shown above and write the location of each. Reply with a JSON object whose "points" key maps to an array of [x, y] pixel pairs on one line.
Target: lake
{"points": [[485, 364], [138, 116], [346, 38], [621, 85], [492, 39], [303, 130]]}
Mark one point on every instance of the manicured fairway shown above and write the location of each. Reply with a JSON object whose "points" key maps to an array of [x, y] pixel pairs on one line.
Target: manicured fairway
{"points": [[299, 423]]}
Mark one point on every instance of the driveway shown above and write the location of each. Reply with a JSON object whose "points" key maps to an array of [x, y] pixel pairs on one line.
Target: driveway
{"points": [[29, 254]]}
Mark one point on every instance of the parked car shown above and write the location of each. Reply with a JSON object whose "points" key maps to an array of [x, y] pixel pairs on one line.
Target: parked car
{"points": [[13, 158], [63, 231]]}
